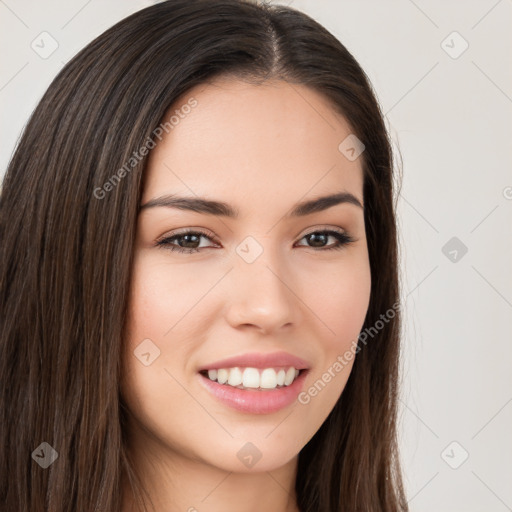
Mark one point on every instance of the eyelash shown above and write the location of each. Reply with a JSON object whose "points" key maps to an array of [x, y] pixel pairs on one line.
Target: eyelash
{"points": [[343, 239]]}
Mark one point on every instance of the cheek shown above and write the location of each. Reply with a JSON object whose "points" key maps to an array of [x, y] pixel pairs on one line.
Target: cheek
{"points": [[162, 295], [150, 390], [152, 310], [342, 310], [339, 303], [340, 300], [157, 312]]}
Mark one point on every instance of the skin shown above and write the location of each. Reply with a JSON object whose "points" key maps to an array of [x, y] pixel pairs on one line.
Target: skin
{"points": [[260, 148]]}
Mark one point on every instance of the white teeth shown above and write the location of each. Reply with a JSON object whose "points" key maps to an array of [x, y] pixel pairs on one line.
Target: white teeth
{"points": [[235, 377], [269, 378], [242, 378], [290, 375], [222, 376], [251, 378]]}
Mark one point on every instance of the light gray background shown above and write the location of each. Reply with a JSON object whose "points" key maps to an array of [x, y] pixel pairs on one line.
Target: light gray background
{"points": [[451, 118]]}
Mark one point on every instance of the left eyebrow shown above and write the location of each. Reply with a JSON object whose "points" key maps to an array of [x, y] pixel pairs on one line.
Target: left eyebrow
{"points": [[219, 208]]}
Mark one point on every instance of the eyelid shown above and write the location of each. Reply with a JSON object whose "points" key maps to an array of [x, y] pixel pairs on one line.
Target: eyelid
{"points": [[185, 231], [324, 227]]}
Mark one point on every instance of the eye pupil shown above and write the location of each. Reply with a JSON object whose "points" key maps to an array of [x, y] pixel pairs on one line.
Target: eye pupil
{"points": [[187, 238], [315, 236]]}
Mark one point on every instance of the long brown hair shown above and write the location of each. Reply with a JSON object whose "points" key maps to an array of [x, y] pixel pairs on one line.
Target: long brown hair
{"points": [[66, 256]]}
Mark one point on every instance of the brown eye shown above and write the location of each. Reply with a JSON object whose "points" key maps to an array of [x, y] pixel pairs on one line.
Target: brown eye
{"points": [[318, 239], [188, 241]]}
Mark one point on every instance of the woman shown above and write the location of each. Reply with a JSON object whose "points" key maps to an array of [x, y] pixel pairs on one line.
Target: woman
{"points": [[178, 332]]}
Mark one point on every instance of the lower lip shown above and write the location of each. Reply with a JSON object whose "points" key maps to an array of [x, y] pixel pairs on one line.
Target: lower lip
{"points": [[252, 400]]}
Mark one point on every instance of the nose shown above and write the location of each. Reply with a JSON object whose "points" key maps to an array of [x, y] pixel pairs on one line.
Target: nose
{"points": [[262, 295]]}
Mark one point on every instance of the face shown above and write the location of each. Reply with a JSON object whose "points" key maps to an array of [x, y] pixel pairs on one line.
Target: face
{"points": [[270, 287]]}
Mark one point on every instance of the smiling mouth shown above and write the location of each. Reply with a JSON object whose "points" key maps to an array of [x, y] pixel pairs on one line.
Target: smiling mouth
{"points": [[256, 379]]}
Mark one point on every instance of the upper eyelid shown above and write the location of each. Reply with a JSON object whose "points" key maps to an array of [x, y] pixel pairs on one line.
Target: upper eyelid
{"points": [[188, 231]]}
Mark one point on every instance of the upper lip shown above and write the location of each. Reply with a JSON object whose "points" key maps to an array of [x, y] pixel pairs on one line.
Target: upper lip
{"points": [[259, 360]]}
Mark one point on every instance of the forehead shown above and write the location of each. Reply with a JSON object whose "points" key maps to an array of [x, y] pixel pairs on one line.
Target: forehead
{"points": [[273, 141]]}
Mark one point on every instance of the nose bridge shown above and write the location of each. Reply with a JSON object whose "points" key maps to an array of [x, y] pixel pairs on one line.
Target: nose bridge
{"points": [[262, 295]]}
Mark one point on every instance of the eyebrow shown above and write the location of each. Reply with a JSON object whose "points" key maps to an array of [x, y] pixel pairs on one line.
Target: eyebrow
{"points": [[219, 208]]}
